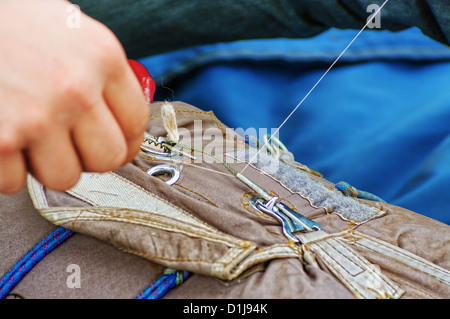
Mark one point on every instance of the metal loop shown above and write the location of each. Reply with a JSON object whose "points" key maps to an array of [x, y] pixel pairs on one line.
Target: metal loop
{"points": [[166, 169]]}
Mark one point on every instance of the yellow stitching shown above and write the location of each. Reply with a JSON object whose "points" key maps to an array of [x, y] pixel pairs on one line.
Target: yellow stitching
{"points": [[252, 211], [153, 224], [178, 209], [381, 209], [196, 193], [400, 252], [274, 232], [219, 124], [405, 283], [128, 250]]}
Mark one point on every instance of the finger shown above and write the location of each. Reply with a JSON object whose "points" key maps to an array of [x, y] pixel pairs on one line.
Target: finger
{"points": [[13, 172], [99, 140], [53, 160], [125, 98]]}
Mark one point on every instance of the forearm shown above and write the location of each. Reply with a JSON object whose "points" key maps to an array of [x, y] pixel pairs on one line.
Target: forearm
{"points": [[148, 27]]}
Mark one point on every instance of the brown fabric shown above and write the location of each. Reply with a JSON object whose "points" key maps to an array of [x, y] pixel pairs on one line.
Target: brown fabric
{"points": [[234, 251], [105, 271]]}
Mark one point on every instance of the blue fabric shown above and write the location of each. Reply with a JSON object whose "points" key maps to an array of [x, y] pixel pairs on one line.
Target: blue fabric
{"points": [[380, 120]]}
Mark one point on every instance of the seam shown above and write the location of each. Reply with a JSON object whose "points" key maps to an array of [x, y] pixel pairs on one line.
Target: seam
{"points": [[402, 282], [358, 243], [188, 189], [208, 113], [151, 256], [349, 282], [341, 240], [401, 252], [151, 224], [162, 199], [140, 188], [197, 193], [249, 258], [327, 210], [284, 186]]}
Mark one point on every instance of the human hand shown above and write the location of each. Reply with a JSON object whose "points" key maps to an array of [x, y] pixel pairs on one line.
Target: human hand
{"points": [[69, 102]]}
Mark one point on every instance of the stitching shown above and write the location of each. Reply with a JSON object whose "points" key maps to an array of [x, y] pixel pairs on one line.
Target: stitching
{"points": [[356, 256], [209, 113], [252, 211], [161, 199], [284, 186], [196, 193], [212, 116], [178, 209], [402, 282], [190, 190], [274, 232], [401, 253], [152, 224], [414, 257], [150, 256], [327, 210], [347, 281], [264, 255], [156, 225]]}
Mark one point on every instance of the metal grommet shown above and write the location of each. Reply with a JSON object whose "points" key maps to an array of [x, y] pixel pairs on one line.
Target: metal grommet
{"points": [[166, 169]]}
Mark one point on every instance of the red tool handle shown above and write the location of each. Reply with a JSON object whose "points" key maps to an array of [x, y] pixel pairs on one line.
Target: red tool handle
{"points": [[145, 79]]}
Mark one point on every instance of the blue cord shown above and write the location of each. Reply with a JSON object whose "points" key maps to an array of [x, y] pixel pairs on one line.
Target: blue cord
{"points": [[160, 287], [30, 259]]}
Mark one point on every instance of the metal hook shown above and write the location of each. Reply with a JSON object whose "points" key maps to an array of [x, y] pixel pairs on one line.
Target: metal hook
{"points": [[166, 169], [290, 220]]}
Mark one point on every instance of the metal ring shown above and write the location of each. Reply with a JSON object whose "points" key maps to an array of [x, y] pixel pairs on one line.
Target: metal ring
{"points": [[166, 169]]}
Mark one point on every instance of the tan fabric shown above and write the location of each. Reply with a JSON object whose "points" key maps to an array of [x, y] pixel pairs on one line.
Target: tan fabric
{"points": [[205, 223]]}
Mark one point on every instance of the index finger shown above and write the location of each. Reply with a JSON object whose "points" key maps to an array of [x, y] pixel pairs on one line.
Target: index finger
{"points": [[126, 99]]}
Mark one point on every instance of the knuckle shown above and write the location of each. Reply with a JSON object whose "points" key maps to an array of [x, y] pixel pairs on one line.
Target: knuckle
{"points": [[60, 182], [109, 51], [11, 187], [118, 153], [67, 181], [104, 160], [11, 136], [12, 182], [72, 88], [8, 144], [38, 123], [139, 124]]}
